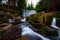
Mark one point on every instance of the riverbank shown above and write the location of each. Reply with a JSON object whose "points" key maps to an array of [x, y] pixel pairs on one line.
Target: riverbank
{"points": [[42, 23], [38, 21], [9, 31]]}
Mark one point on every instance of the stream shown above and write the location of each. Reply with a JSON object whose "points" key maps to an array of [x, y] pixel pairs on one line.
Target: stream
{"points": [[27, 31], [30, 33], [53, 24]]}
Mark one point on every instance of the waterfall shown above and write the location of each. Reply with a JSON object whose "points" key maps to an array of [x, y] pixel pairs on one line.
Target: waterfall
{"points": [[27, 31], [23, 20], [54, 23], [28, 12], [54, 26]]}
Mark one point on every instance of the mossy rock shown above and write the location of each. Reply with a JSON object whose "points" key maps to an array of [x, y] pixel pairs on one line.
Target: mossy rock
{"points": [[44, 30], [36, 18]]}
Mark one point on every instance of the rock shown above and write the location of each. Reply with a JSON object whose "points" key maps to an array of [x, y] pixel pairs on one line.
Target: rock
{"points": [[12, 33], [29, 37], [4, 24]]}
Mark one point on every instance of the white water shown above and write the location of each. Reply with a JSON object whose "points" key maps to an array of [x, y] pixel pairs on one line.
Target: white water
{"points": [[54, 26], [54, 23], [11, 20], [23, 20], [26, 30], [4, 1], [28, 12]]}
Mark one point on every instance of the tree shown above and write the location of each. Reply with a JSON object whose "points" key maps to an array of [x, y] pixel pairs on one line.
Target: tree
{"points": [[21, 5], [30, 7], [41, 5]]}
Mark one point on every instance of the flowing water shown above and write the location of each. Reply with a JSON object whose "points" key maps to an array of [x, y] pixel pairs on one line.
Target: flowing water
{"points": [[11, 20], [28, 12], [26, 30], [23, 20], [56, 27], [54, 23]]}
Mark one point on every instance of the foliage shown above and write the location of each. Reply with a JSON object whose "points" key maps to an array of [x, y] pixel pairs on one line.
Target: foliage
{"points": [[30, 7], [2, 19], [38, 21], [2, 32], [21, 5], [41, 4], [4, 16], [44, 30], [57, 18]]}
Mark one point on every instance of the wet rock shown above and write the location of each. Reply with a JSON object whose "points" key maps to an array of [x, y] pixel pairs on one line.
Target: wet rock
{"points": [[12, 33], [29, 37]]}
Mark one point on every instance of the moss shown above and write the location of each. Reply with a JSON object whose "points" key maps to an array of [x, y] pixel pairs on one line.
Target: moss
{"points": [[52, 33], [40, 21], [57, 19], [36, 18], [45, 31]]}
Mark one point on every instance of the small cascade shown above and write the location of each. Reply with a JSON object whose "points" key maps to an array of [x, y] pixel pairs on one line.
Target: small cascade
{"points": [[11, 20], [27, 13], [54, 23], [56, 27], [23, 20], [27, 31]]}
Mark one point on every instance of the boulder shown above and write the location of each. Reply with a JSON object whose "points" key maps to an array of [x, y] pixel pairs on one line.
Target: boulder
{"points": [[12, 33]]}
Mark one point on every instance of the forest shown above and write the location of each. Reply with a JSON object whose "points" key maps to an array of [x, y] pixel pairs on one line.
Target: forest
{"points": [[21, 22]]}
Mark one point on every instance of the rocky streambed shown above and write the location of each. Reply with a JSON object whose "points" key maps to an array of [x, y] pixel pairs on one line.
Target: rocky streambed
{"points": [[11, 33]]}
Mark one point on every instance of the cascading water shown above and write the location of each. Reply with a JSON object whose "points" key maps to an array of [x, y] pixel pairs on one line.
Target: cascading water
{"points": [[23, 20], [11, 20], [28, 31], [54, 26], [28, 12], [54, 23]]}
